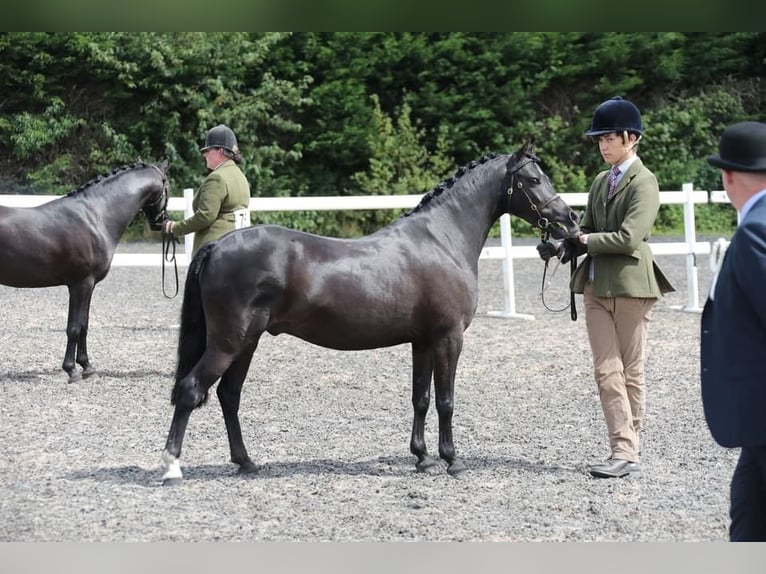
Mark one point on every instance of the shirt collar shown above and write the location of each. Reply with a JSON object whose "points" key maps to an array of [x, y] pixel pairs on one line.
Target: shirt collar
{"points": [[623, 167], [750, 203]]}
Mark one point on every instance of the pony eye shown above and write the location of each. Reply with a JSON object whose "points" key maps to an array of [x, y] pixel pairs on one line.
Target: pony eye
{"points": [[535, 180]]}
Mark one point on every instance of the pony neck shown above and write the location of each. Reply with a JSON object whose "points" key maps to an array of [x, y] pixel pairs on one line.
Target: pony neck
{"points": [[462, 213], [118, 197]]}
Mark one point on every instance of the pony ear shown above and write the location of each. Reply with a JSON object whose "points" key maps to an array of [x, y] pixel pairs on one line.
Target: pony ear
{"points": [[527, 148], [164, 165]]}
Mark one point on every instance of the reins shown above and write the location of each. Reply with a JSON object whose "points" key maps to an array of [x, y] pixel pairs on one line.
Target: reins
{"points": [[572, 266], [572, 306], [543, 223], [169, 241]]}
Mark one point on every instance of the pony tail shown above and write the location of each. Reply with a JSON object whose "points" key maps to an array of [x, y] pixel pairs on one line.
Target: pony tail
{"points": [[193, 332]]}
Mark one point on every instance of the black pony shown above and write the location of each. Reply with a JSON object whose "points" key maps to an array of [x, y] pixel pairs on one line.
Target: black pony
{"points": [[71, 240], [413, 281]]}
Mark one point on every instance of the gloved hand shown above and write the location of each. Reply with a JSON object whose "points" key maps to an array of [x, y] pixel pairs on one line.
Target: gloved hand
{"points": [[167, 227], [571, 248], [547, 249]]}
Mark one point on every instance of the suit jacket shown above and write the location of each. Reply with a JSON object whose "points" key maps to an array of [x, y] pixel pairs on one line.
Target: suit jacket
{"points": [[624, 263], [224, 190], [733, 339]]}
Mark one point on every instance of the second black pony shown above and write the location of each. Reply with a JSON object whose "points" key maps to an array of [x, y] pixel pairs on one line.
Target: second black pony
{"points": [[414, 281], [71, 240]]}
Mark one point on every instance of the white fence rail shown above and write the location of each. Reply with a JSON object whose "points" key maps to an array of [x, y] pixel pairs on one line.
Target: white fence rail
{"points": [[690, 247]]}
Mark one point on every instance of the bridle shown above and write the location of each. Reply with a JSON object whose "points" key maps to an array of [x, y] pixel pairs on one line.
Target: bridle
{"points": [[544, 224], [168, 241], [162, 201]]}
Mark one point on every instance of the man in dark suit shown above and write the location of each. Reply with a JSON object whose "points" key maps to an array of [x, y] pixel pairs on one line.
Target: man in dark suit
{"points": [[733, 330]]}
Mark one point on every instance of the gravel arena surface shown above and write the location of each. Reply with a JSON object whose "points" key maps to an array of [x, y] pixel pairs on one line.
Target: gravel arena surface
{"points": [[81, 462]]}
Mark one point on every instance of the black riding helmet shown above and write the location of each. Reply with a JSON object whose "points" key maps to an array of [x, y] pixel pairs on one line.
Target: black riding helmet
{"points": [[616, 115], [221, 136]]}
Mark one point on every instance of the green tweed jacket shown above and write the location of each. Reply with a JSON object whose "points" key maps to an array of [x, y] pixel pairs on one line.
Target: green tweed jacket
{"points": [[618, 230], [224, 190]]}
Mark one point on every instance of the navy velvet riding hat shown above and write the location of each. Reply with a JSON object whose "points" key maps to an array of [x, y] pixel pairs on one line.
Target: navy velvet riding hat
{"points": [[742, 148]]}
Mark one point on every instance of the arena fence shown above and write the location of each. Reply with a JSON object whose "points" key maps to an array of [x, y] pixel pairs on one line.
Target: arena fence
{"points": [[506, 251]]}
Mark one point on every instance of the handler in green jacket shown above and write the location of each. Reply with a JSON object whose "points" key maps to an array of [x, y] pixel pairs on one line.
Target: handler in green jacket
{"points": [[619, 279], [222, 203]]}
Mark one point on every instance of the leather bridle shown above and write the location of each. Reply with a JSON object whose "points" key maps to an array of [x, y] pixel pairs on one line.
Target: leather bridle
{"points": [[161, 214], [544, 224], [168, 241]]}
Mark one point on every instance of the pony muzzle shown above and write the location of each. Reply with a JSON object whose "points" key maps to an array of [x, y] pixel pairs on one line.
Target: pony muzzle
{"points": [[156, 224]]}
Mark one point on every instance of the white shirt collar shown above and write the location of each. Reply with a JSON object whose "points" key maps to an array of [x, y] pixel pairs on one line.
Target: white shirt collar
{"points": [[623, 167]]}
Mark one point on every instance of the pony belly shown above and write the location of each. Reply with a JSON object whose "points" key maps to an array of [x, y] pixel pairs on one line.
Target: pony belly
{"points": [[342, 335], [351, 342], [40, 264], [29, 277]]}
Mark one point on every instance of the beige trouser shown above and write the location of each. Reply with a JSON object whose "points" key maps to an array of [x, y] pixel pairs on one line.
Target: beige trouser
{"points": [[617, 331]]}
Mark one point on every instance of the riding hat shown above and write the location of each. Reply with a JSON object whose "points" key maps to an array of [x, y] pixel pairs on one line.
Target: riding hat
{"points": [[220, 136], [616, 115], [742, 148]]}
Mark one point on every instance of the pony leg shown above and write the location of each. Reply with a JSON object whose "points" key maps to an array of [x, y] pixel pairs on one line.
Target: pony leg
{"points": [[82, 345], [422, 369], [189, 393], [446, 354], [229, 392], [79, 306], [172, 475]]}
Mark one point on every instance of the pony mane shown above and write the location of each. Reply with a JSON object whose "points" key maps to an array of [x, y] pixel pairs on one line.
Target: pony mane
{"points": [[107, 175], [448, 183]]}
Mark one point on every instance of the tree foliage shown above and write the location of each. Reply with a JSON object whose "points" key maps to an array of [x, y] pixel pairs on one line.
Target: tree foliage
{"points": [[353, 113]]}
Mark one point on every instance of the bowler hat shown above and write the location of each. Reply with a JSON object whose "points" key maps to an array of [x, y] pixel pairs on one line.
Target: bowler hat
{"points": [[742, 148]]}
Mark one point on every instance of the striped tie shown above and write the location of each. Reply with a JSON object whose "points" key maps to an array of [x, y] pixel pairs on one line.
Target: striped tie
{"points": [[612, 180]]}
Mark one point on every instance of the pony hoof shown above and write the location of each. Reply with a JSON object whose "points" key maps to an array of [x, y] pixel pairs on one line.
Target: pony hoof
{"points": [[176, 481], [457, 469], [426, 464], [89, 372], [248, 468], [75, 377]]}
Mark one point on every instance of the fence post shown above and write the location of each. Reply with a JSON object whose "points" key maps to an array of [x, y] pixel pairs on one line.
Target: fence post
{"points": [[188, 212], [690, 234], [509, 294]]}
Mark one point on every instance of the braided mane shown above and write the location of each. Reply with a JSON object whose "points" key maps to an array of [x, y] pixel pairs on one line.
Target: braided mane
{"points": [[448, 183], [104, 176]]}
